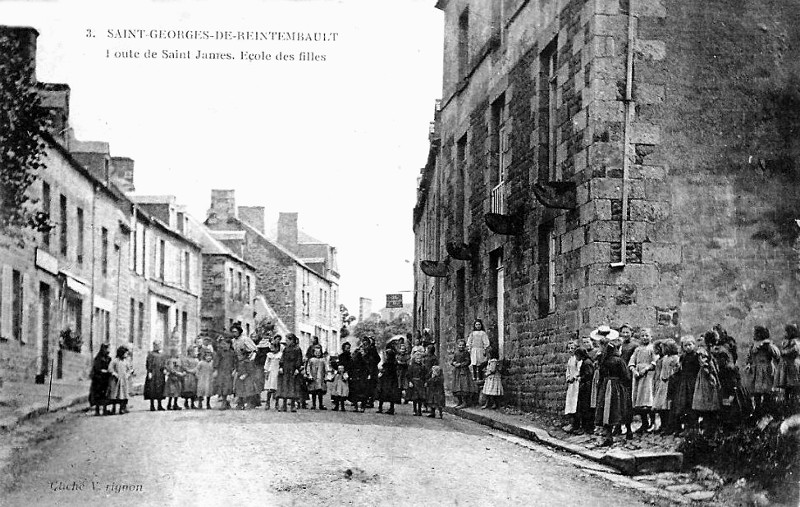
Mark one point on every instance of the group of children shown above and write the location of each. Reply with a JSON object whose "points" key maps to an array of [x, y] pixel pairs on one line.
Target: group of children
{"points": [[695, 384], [242, 369]]}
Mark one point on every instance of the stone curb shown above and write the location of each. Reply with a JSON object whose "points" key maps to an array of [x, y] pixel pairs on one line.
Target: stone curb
{"points": [[35, 410], [627, 463]]}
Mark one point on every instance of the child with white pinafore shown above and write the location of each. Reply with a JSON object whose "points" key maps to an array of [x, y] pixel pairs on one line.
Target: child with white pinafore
{"points": [[271, 367]]}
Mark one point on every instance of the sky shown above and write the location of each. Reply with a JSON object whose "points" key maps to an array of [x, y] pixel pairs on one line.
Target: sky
{"points": [[341, 141]]}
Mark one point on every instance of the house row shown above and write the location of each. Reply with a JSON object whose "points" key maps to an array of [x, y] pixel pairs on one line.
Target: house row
{"points": [[127, 269], [608, 162]]}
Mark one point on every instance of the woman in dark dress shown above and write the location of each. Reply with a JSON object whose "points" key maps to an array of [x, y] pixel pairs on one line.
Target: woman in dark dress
{"points": [[100, 375], [345, 358], [290, 373], [373, 358], [358, 380], [614, 406], [155, 382], [387, 382], [686, 378], [244, 386], [585, 412]]}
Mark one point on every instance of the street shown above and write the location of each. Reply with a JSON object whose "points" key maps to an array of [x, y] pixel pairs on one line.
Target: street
{"points": [[213, 457]]}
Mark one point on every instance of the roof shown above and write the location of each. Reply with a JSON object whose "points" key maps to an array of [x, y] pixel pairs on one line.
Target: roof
{"points": [[302, 237], [208, 243]]}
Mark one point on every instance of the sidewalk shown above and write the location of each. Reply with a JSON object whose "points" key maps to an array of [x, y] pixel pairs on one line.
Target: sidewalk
{"points": [[629, 461], [21, 401]]}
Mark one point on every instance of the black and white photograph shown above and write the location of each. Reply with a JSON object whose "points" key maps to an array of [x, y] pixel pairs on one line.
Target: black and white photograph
{"points": [[400, 252]]}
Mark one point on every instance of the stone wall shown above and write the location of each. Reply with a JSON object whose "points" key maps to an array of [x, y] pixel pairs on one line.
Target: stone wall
{"points": [[709, 224]]}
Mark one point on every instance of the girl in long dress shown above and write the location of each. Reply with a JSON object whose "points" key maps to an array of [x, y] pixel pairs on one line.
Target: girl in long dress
{"points": [[573, 378], [666, 366], [387, 382], [463, 385], [290, 373], [189, 390], [317, 371], [613, 400], [477, 343], [585, 413], [416, 383], [686, 380], [493, 387], [244, 386], [762, 365], [205, 379], [435, 389], [643, 366], [120, 371], [339, 388], [271, 367], [224, 365], [174, 380]]}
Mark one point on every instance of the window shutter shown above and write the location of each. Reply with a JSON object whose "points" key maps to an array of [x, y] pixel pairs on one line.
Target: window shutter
{"points": [[27, 313], [5, 302]]}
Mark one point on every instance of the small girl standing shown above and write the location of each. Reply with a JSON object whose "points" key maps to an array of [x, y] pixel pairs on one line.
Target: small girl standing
{"points": [[387, 390], [493, 387], [435, 389], [416, 383], [224, 364], [463, 385], [271, 367], [478, 345], [189, 390], [119, 370], [666, 366], [573, 385], [762, 365], [316, 371], [688, 369], [205, 379], [585, 413], [403, 358], [339, 388], [174, 380]]}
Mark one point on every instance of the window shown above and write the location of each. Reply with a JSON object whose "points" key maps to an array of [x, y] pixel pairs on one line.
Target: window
{"points": [[132, 330], [140, 329], [79, 224], [549, 92], [547, 270], [184, 328], [17, 293], [247, 328], [240, 287], [499, 140], [102, 320], [46, 210], [104, 251], [249, 290], [320, 300], [463, 43], [63, 226], [229, 282], [162, 258], [463, 203], [187, 270]]}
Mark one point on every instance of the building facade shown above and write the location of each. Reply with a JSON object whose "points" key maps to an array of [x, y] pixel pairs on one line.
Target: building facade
{"points": [[111, 270], [608, 162], [303, 294], [229, 284]]}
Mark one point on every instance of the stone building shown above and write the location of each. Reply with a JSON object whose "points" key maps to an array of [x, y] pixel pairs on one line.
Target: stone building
{"points": [[229, 283], [296, 274], [608, 162], [111, 270]]}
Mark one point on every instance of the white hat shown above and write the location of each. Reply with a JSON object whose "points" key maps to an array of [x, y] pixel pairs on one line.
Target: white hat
{"points": [[604, 332]]}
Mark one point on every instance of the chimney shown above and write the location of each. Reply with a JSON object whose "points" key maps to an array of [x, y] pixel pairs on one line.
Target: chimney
{"points": [[122, 173], [287, 231], [253, 216], [24, 37], [223, 205]]}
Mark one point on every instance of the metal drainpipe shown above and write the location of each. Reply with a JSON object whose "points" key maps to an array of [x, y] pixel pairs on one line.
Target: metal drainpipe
{"points": [[94, 264], [629, 108]]}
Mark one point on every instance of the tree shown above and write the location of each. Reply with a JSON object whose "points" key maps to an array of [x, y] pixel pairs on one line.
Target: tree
{"points": [[382, 330], [23, 121], [264, 329], [347, 320]]}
